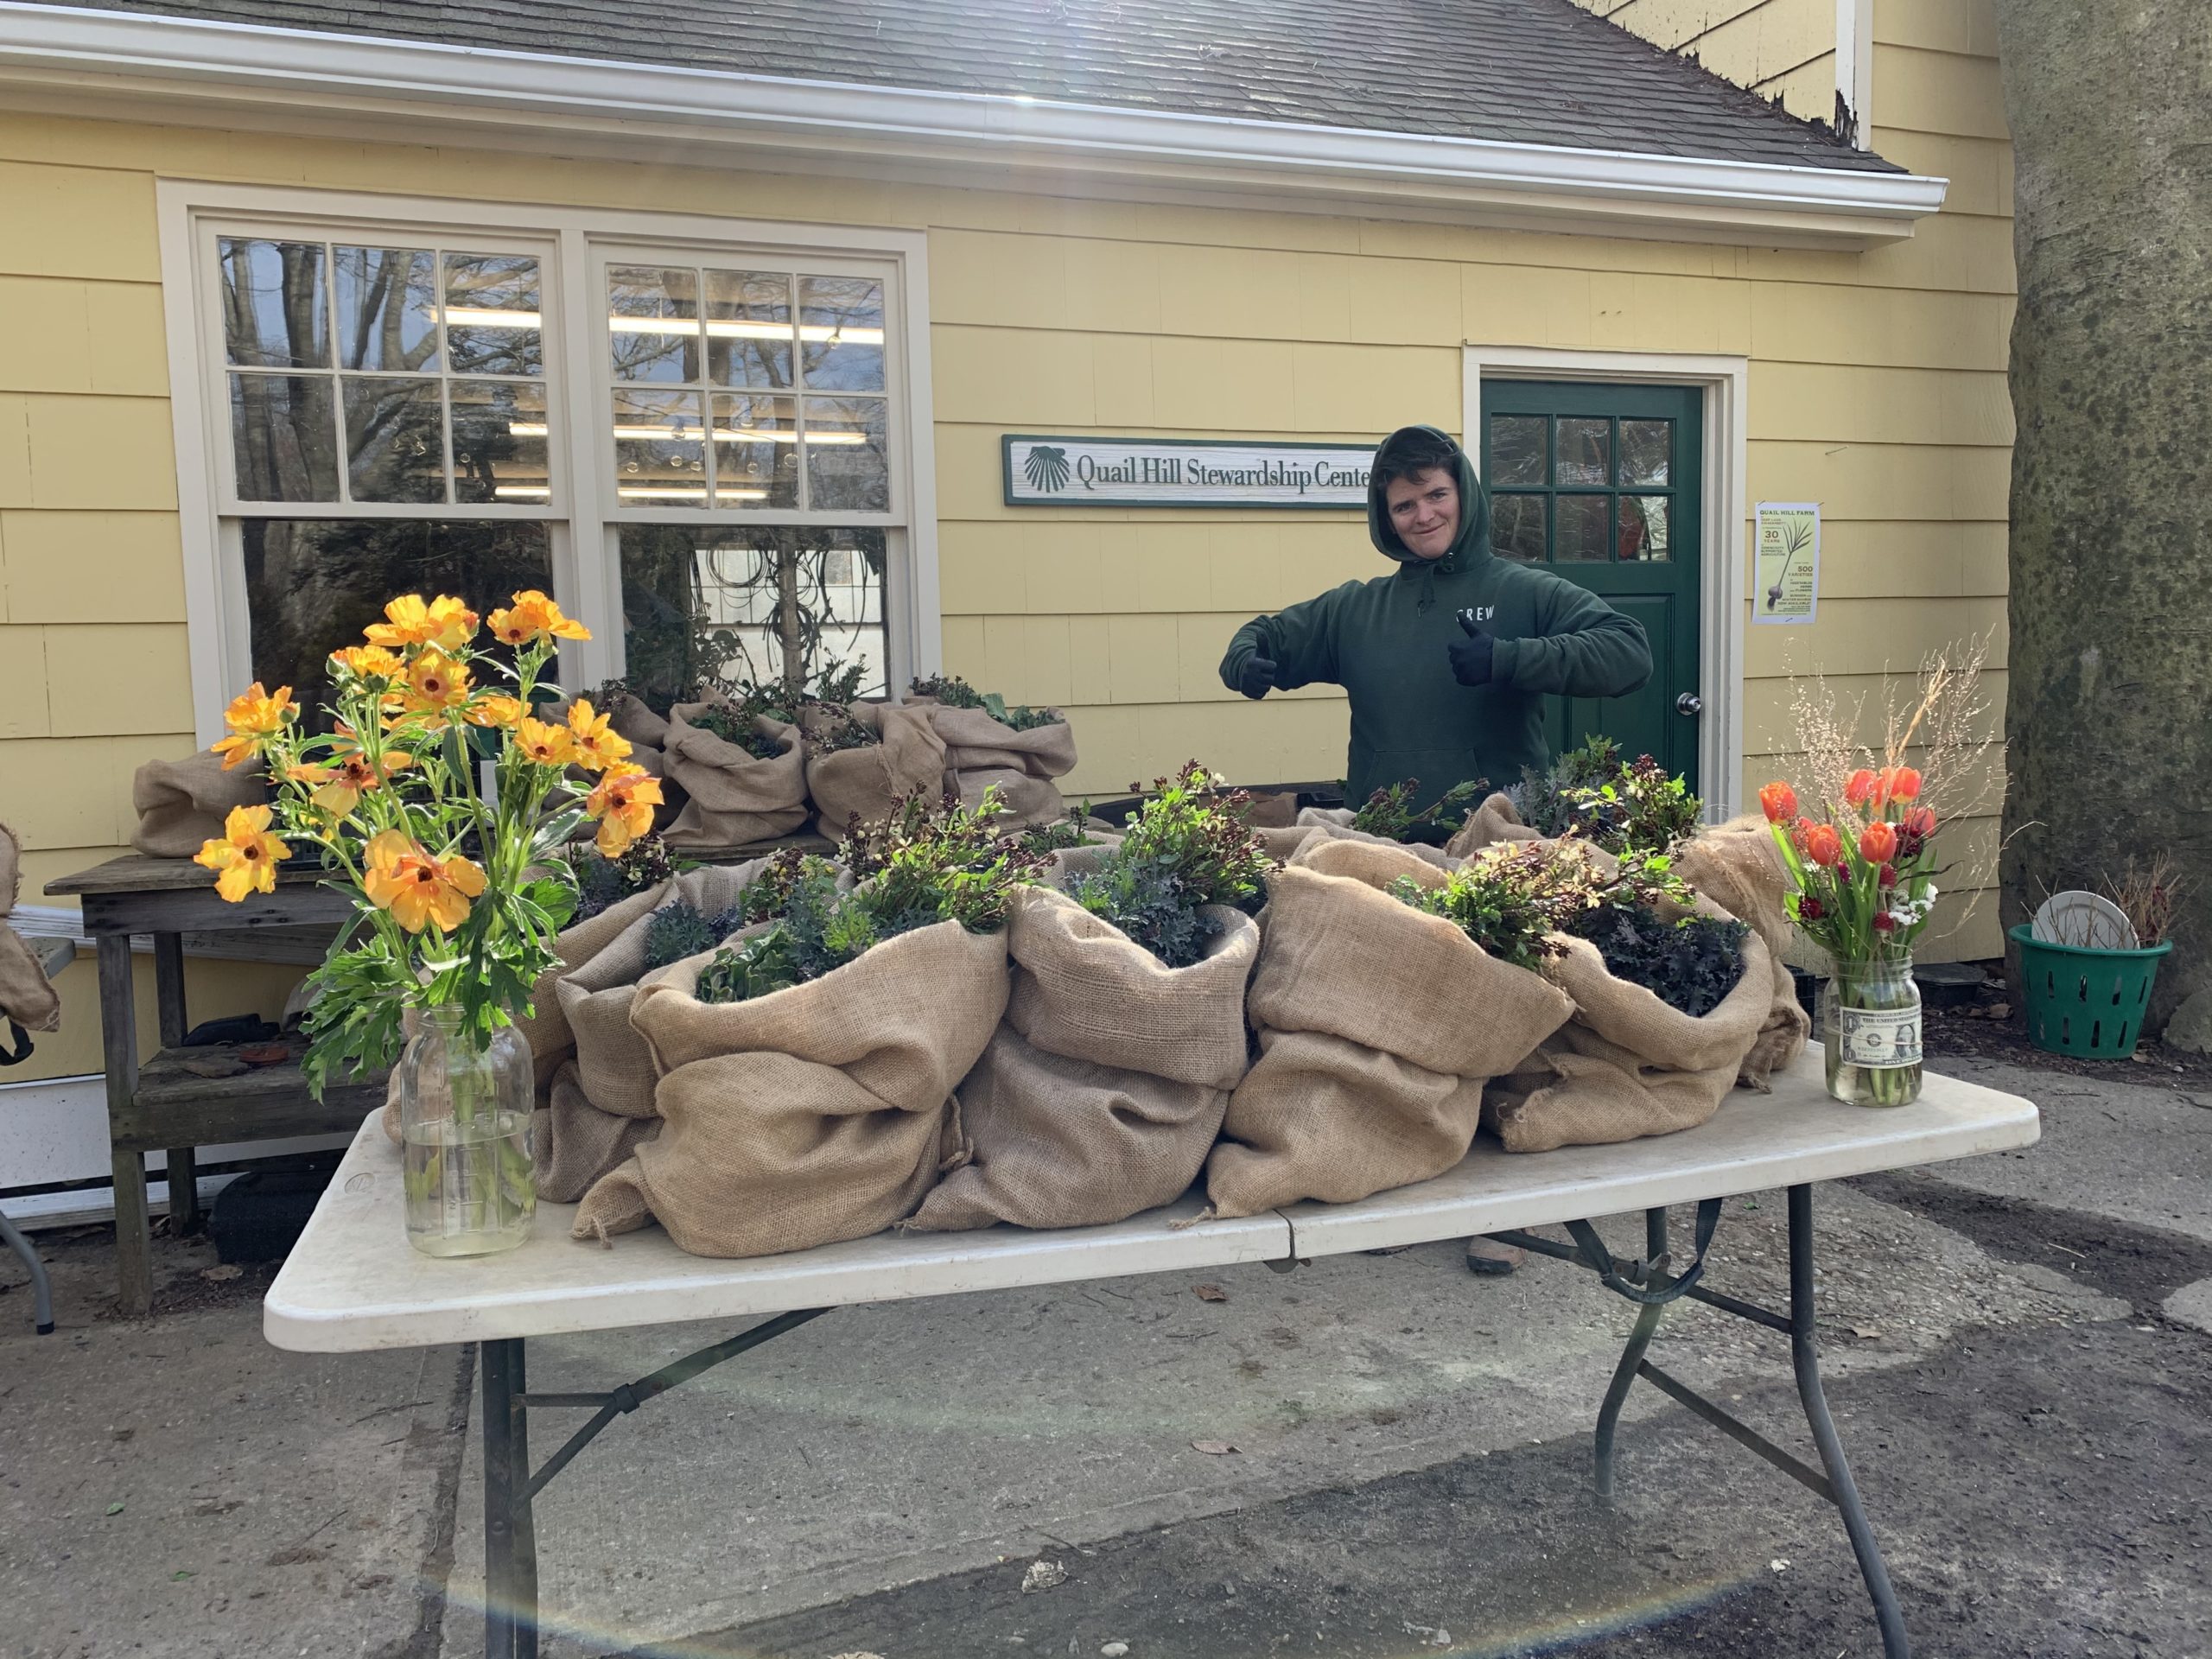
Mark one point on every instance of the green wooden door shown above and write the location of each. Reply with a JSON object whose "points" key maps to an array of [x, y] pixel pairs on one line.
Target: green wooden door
{"points": [[1600, 484]]}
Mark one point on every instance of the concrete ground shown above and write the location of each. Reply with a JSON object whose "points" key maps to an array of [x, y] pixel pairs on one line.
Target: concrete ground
{"points": [[2029, 1413]]}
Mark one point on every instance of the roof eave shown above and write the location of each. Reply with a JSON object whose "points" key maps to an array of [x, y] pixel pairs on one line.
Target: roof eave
{"points": [[290, 79]]}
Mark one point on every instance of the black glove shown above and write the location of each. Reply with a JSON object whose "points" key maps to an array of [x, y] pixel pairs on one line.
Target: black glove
{"points": [[1257, 677], [1470, 657]]}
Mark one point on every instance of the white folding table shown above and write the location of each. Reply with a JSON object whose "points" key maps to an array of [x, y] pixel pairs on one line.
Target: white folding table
{"points": [[354, 1283]]}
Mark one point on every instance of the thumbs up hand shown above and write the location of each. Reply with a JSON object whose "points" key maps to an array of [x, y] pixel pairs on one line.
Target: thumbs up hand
{"points": [[1470, 657]]}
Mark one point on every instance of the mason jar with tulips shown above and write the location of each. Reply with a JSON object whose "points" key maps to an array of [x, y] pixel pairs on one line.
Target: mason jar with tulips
{"points": [[442, 804], [1864, 880]]}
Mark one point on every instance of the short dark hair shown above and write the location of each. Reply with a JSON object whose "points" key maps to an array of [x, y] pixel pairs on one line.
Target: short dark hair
{"points": [[1412, 455]]}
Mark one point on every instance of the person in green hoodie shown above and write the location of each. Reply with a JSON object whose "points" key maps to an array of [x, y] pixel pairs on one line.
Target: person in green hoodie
{"points": [[1448, 658]]}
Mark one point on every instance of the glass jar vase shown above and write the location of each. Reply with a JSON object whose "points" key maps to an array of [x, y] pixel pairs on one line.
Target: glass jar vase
{"points": [[1870, 1029], [464, 1110]]}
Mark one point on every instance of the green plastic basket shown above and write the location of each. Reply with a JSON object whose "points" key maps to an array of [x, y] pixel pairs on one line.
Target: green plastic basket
{"points": [[2086, 1003]]}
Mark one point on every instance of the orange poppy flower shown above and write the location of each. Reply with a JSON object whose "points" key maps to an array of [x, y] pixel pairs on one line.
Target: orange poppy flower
{"points": [[546, 744], [370, 663], [436, 685], [597, 747], [623, 803], [444, 622], [534, 616], [418, 888], [245, 860], [495, 710], [254, 716]]}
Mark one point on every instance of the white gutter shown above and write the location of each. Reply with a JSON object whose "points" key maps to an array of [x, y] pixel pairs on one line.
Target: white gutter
{"points": [[314, 79]]}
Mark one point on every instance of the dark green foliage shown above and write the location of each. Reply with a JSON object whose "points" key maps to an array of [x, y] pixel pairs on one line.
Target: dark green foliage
{"points": [[1691, 964], [601, 881], [677, 930], [814, 938], [1547, 801], [956, 693], [1624, 808], [840, 731], [1188, 847], [1069, 831], [1142, 897], [735, 726], [770, 890], [949, 689], [838, 682], [1389, 812], [1513, 897]]}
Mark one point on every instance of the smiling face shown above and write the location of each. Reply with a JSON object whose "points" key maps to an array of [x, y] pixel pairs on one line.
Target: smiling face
{"points": [[1425, 512]]}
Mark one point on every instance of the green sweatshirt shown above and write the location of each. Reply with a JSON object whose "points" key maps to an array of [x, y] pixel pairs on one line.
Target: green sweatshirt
{"points": [[1384, 641]]}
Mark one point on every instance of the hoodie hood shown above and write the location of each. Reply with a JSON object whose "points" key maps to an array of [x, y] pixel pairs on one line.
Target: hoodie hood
{"points": [[1472, 543]]}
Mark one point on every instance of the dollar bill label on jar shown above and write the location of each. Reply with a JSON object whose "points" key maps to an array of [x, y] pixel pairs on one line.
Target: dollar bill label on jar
{"points": [[1880, 1037]]}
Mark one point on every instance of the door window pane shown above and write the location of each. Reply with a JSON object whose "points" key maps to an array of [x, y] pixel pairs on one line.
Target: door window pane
{"points": [[756, 451], [1517, 526], [276, 307], [1584, 453], [701, 606], [395, 439], [660, 450], [1646, 452], [284, 437], [387, 309], [847, 467], [493, 321], [840, 323], [653, 321], [312, 585], [749, 329], [1646, 521], [1517, 449], [500, 451], [1581, 522]]}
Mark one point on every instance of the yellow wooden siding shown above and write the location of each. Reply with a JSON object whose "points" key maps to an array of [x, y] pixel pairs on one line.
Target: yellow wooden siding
{"points": [[1780, 48], [1968, 27]]}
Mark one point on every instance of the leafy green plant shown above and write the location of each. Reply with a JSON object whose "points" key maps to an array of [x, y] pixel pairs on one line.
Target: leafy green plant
{"points": [[1549, 801], [1142, 897], [733, 725], [602, 882], [838, 682], [1073, 831], [1188, 847], [1512, 899], [1621, 807], [956, 693], [770, 891], [678, 930], [949, 689], [1691, 963], [1388, 811]]}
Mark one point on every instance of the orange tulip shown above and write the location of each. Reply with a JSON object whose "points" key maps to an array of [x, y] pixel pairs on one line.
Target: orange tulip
{"points": [[1918, 821], [254, 717], [1877, 842], [418, 888], [1861, 787], [1778, 801], [623, 803], [1900, 784], [1822, 845], [245, 859]]}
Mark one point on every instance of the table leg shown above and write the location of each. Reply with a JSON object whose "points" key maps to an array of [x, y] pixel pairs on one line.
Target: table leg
{"points": [[510, 1534], [168, 999], [1804, 1351], [134, 1261], [1639, 1339]]}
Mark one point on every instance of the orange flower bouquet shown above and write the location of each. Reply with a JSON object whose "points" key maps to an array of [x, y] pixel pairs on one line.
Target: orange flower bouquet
{"points": [[458, 879]]}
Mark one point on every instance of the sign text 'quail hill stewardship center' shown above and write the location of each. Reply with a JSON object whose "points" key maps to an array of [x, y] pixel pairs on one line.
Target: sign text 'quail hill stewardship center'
{"points": [[1054, 471]]}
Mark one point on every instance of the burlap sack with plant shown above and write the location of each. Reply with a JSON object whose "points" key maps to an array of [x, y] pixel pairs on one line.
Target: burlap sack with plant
{"points": [[1378, 1026], [1102, 1092], [811, 1115], [26, 995], [182, 803], [850, 784], [1335, 822], [1735, 864], [614, 1066], [573, 1143], [980, 752], [1494, 821], [1628, 1064], [736, 798]]}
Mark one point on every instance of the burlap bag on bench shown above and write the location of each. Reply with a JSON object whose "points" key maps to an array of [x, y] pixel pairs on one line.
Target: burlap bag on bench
{"points": [[811, 1115], [1378, 1026], [981, 752], [1337, 823], [1493, 820], [1102, 1092], [573, 1143], [1737, 866], [735, 798], [182, 803], [860, 784], [1628, 1064]]}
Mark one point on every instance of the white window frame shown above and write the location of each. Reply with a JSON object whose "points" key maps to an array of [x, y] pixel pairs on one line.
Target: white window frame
{"points": [[1726, 382], [584, 512]]}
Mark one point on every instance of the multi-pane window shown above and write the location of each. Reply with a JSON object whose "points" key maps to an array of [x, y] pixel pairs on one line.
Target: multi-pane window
{"points": [[1577, 489], [403, 409]]}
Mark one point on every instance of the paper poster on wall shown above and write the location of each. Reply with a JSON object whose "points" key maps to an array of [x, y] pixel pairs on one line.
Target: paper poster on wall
{"points": [[1789, 586]]}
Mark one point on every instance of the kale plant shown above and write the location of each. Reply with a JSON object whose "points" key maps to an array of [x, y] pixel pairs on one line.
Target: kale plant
{"points": [[1389, 812], [602, 883], [1626, 808], [956, 693], [1188, 847], [1142, 897], [677, 930], [1691, 964], [1549, 801]]}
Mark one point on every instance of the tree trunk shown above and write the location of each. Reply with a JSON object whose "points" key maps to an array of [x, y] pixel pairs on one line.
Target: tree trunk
{"points": [[2108, 715]]}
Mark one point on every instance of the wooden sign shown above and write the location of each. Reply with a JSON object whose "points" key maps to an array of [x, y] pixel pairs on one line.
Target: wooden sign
{"points": [[1051, 471]]}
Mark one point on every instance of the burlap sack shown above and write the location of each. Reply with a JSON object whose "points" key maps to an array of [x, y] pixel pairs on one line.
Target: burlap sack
{"points": [[1628, 1064], [573, 1143], [11, 867], [1337, 822], [27, 996], [1102, 1091], [1067, 864], [816, 1114], [614, 1066], [1737, 866], [1283, 844], [182, 803], [1378, 1026], [980, 752], [736, 798], [860, 784], [1493, 820]]}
